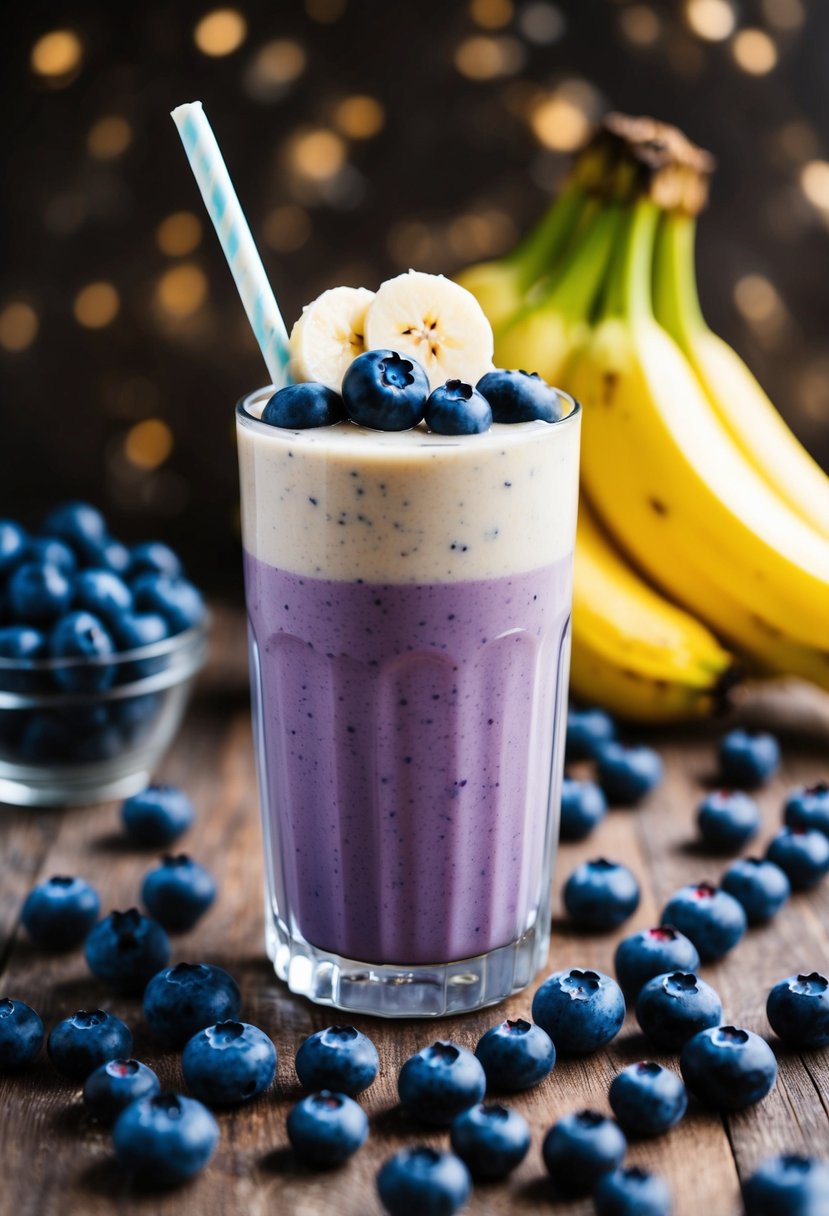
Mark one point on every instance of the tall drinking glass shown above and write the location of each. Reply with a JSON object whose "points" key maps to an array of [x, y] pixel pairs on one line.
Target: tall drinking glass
{"points": [[408, 600]]}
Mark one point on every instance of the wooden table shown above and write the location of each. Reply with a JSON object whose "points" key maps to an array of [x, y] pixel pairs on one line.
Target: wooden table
{"points": [[56, 1161]]}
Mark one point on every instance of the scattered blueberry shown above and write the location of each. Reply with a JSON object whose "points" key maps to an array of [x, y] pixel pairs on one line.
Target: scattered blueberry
{"points": [[727, 1067], [13, 544], [631, 1191], [759, 885], [491, 1140], [81, 638], [580, 1010], [85, 1040], [583, 807], [439, 1082], [587, 731], [125, 949], [158, 815], [179, 602], [748, 758], [182, 1000], [647, 1099], [21, 1030], [102, 593], [515, 1055], [788, 1186], [652, 952], [808, 807], [710, 917], [455, 408], [627, 774], [164, 1139], [301, 406], [153, 557], [59, 912], [228, 1063], [672, 1008], [518, 396], [325, 1129], [802, 854], [113, 1085], [601, 894], [135, 630], [728, 820], [80, 525], [23, 645], [48, 550], [580, 1148], [178, 892], [338, 1058], [424, 1181], [38, 593], [798, 1010], [385, 391]]}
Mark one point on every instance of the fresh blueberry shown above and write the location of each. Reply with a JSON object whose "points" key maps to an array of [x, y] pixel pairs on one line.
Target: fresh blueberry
{"points": [[788, 1186], [80, 525], [158, 815], [38, 593], [802, 854], [518, 396], [672, 1008], [23, 646], [748, 758], [385, 391], [21, 1031], [423, 1181], [580, 1010], [102, 593], [165, 1139], [601, 894], [455, 408], [85, 1040], [48, 550], [439, 1082], [228, 1063], [13, 544], [153, 557], [580, 1148], [808, 807], [583, 806], [134, 631], [178, 892], [727, 1067], [727, 820], [179, 602], [114, 556], [651, 952], [631, 1191], [337, 1058], [759, 885], [798, 1010], [182, 1000], [587, 731], [515, 1055], [302, 406], [125, 949], [627, 774], [59, 912], [647, 1099], [82, 639], [712, 918], [325, 1129], [491, 1140], [113, 1085]]}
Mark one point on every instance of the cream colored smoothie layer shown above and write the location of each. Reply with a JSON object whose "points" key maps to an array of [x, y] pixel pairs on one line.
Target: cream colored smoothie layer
{"points": [[412, 506]]}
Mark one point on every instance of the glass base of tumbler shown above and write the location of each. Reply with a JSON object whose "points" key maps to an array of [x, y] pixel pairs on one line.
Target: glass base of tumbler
{"points": [[420, 991]]}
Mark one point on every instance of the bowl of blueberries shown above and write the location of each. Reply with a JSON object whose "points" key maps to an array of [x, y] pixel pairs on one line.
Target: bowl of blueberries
{"points": [[99, 647]]}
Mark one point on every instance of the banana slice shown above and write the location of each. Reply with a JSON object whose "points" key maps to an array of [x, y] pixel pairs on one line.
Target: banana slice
{"points": [[329, 335], [435, 321]]}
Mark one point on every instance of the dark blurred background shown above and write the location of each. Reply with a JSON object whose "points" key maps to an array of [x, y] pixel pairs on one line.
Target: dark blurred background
{"points": [[364, 137]]}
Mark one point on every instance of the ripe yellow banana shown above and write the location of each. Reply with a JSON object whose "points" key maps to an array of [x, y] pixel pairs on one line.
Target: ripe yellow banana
{"points": [[633, 651], [739, 401]]}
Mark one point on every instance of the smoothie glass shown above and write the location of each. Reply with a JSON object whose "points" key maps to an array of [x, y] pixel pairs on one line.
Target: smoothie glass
{"points": [[408, 600]]}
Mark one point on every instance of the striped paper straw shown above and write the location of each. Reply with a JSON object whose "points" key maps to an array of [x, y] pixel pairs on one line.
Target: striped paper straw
{"points": [[224, 209]]}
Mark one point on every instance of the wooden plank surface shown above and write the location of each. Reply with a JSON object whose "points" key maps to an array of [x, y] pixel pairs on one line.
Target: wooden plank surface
{"points": [[55, 1160]]}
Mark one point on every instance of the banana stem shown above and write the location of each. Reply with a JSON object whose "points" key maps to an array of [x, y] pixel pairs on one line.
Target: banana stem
{"points": [[575, 290], [675, 298], [628, 291], [535, 254]]}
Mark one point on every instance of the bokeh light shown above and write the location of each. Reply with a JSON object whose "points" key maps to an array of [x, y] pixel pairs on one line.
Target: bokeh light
{"points": [[640, 24], [484, 58], [96, 305], [220, 32], [287, 228], [754, 51], [542, 23], [757, 299], [148, 444], [491, 14], [182, 290], [714, 20], [273, 68], [316, 154], [785, 15], [814, 182], [18, 326], [563, 120], [109, 137], [57, 56], [179, 234], [359, 117]]}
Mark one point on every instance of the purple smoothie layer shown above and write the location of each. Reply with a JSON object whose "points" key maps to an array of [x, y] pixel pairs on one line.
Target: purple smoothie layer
{"points": [[405, 757]]}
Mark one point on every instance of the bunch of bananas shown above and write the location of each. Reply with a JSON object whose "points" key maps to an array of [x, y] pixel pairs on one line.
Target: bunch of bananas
{"points": [[703, 535]]}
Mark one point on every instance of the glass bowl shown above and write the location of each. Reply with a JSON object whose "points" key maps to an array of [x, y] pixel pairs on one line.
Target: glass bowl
{"points": [[66, 740]]}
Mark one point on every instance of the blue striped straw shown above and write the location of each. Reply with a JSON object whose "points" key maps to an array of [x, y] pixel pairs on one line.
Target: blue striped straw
{"points": [[224, 209]]}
